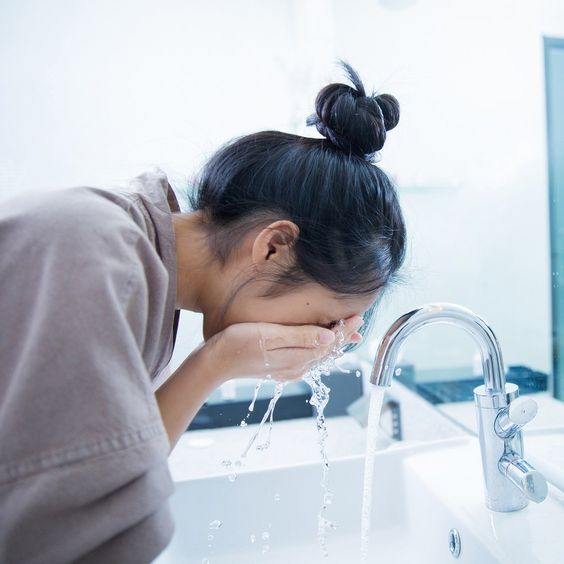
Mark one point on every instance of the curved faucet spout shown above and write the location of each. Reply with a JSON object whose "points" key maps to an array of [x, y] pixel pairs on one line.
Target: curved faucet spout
{"points": [[509, 479], [388, 349]]}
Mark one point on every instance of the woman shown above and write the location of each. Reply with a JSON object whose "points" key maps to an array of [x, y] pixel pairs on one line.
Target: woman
{"points": [[286, 236]]}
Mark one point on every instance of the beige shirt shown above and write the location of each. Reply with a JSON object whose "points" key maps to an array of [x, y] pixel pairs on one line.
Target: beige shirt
{"points": [[87, 322]]}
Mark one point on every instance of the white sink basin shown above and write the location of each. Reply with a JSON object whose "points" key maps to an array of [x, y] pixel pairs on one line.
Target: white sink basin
{"points": [[420, 493], [544, 448]]}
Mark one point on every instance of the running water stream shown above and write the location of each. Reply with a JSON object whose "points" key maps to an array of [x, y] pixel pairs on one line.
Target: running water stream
{"points": [[376, 400]]}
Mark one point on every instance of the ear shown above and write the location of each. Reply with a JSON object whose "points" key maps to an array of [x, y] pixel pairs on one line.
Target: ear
{"points": [[273, 245]]}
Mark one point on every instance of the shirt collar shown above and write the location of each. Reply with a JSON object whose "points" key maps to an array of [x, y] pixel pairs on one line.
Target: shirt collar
{"points": [[160, 202]]}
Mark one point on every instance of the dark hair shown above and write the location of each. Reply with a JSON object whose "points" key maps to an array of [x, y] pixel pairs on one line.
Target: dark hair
{"points": [[352, 234]]}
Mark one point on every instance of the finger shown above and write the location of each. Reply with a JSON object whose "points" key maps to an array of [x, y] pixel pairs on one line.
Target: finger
{"points": [[356, 338], [352, 325], [294, 363], [296, 360], [295, 336], [287, 376]]}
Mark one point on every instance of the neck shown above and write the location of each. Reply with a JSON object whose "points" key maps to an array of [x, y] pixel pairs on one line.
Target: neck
{"points": [[196, 276]]}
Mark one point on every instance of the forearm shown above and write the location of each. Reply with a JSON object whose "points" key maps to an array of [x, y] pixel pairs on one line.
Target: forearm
{"points": [[182, 395], [239, 351]]}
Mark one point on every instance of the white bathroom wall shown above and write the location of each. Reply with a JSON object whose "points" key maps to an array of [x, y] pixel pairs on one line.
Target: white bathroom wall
{"points": [[95, 92], [470, 157]]}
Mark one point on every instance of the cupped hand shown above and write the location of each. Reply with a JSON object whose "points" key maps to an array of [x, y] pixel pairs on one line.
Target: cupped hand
{"points": [[282, 352]]}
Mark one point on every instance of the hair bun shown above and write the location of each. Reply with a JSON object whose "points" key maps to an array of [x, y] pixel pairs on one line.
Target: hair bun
{"points": [[351, 120]]}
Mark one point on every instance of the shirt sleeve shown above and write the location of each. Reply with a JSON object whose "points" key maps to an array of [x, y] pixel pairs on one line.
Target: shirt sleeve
{"points": [[83, 451]]}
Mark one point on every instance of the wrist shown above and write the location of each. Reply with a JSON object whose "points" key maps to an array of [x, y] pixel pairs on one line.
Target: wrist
{"points": [[208, 362], [183, 394]]}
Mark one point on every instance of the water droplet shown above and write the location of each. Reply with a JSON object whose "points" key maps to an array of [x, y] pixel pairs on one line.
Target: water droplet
{"points": [[253, 538], [215, 524], [265, 548], [328, 498], [243, 423], [210, 537], [279, 388], [398, 372], [358, 374], [226, 463], [277, 497], [265, 535], [232, 477]]}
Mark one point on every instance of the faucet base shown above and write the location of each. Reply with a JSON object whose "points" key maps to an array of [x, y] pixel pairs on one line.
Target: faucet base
{"points": [[501, 493], [503, 508]]}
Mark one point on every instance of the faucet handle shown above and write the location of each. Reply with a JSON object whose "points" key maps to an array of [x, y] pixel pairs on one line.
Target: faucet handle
{"points": [[522, 410], [529, 480], [512, 418]]}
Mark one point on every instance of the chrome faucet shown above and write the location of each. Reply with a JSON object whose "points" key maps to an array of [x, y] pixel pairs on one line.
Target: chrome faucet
{"points": [[509, 480]]}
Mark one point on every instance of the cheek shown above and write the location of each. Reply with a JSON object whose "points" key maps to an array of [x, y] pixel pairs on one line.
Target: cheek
{"points": [[279, 310], [244, 310]]}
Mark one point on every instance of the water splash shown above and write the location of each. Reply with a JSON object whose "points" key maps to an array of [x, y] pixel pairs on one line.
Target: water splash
{"points": [[376, 400], [255, 395], [319, 399], [265, 359], [251, 407], [279, 388], [277, 393], [269, 414]]}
